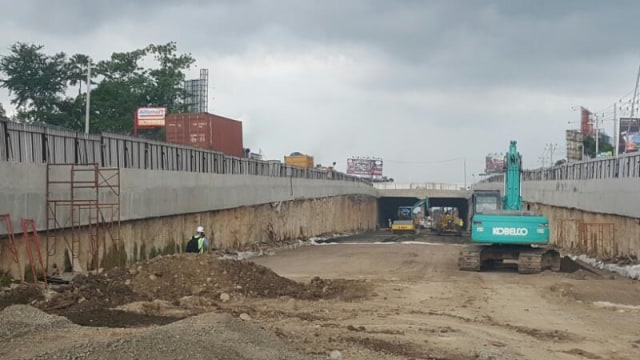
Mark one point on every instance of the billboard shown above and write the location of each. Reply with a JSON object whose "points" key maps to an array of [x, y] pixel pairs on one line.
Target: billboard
{"points": [[494, 163], [629, 136], [150, 116], [364, 167]]}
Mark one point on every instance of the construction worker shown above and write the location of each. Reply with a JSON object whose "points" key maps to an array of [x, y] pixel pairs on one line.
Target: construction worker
{"points": [[198, 243]]}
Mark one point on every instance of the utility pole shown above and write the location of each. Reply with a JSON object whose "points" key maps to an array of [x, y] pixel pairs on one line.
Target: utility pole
{"points": [[86, 116], [597, 135], [616, 136], [552, 149], [465, 173], [633, 105]]}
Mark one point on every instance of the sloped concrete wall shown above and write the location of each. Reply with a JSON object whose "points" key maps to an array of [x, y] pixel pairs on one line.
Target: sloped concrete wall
{"points": [[600, 218], [241, 228], [152, 193]]}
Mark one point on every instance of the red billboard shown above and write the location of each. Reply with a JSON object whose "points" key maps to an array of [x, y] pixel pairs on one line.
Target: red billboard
{"points": [[364, 167], [494, 163]]}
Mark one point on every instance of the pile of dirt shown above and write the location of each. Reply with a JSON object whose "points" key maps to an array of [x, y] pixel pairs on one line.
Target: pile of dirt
{"points": [[20, 320], [92, 299], [174, 277], [22, 294], [207, 336]]}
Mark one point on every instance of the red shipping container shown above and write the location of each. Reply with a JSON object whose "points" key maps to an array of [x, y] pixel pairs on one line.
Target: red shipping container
{"points": [[207, 131]]}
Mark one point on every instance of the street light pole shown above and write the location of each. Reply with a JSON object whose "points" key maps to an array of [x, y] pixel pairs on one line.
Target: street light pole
{"points": [[86, 117], [597, 136], [465, 173], [616, 136]]}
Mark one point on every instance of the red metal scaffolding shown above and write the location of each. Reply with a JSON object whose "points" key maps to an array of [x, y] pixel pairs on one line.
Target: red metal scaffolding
{"points": [[30, 234], [82, 197], [13, 248]]}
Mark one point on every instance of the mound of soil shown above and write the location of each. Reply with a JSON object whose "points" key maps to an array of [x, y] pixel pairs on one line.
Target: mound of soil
{"points": [[24, 294], [176, 277], [173, 277]]}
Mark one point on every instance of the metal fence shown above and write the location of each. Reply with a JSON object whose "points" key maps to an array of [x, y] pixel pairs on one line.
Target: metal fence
{"points": [[423, 186], [39, 144], [623, 166]]}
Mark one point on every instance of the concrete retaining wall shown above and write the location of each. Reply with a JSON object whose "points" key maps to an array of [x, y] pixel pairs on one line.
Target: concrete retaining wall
{"points": [[617, 196], [152, 193], [241, 228], [599, 218], [609, 238]]}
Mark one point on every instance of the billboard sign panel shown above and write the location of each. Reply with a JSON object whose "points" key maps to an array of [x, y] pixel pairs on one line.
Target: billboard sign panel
{"points": [[150, 116], [494, 163], [629, 136], [364, 167]]}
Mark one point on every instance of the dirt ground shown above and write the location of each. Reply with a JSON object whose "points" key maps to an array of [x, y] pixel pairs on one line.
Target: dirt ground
{"points": [[388, 300]]}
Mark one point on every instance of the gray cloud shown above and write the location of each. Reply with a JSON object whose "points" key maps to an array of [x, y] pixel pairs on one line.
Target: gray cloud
{"points": [[411, 81]]}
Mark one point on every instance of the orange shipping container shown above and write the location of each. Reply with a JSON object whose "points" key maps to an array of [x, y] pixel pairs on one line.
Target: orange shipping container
{"points": [[207, 131], [303, 161]]}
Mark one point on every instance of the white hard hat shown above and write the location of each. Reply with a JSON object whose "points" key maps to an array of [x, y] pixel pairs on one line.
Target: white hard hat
{"points": [[200, 229]]}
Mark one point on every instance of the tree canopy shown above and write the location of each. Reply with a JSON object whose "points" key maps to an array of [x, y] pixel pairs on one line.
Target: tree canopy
{"points": [[42, 86], [589, 145]]}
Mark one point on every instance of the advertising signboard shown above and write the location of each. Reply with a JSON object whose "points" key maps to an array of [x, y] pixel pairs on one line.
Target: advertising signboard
{"points": [[364, 167], [629, 137], [494, 163], [150, 116]]}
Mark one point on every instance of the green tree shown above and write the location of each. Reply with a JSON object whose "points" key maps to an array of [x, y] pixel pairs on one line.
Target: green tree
{"points": [[38, 83], [3, 113], [76, 69], [167, 80], [126, 85], [589, 145], [35, 81]]}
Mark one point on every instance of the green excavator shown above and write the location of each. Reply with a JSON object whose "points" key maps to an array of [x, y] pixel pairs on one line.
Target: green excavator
{"points": [[502, 230]]}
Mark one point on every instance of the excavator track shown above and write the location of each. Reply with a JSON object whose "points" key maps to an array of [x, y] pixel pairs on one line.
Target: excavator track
{"points": [[530, 260], [529, 263], [470, 259]]}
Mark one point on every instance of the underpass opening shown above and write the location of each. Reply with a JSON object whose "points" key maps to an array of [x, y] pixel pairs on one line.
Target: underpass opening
{"points": [[388, 207]]}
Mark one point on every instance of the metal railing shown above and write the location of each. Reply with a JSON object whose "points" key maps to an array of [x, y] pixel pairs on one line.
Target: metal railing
{"points": [[39, 144], [421, 186], [623, 166]]}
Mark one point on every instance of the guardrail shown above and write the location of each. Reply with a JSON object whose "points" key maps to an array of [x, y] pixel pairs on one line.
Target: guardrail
{"points": [[39, 144], [422, 186], [623, 166]]}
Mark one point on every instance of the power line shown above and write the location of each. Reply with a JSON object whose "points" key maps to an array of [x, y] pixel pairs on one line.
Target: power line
{"points": [[428, 161]]}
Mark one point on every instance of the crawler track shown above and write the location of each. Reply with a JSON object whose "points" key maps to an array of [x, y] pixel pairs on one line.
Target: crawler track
{"points": [[530, 260]]}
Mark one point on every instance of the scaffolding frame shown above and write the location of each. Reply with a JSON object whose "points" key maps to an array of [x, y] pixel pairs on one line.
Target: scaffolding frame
{"points": [[29, 227], [90, 194], [13, 247]]}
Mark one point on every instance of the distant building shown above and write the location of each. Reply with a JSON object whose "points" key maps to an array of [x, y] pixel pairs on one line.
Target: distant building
{"points": [[197, 93]]}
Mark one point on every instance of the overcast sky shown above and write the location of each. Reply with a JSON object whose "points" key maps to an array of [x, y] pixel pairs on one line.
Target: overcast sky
{"points": [[421, 84]]}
